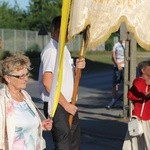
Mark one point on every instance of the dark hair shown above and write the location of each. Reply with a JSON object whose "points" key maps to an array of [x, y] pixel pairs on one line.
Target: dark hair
{"points": [[56, 23], [142, 65]]}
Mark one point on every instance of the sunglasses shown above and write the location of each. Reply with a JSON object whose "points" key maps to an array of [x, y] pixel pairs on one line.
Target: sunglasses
{"points": [[20, 76]]}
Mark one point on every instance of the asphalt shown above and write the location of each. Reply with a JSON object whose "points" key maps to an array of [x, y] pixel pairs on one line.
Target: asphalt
{"points": [[101, 129]]}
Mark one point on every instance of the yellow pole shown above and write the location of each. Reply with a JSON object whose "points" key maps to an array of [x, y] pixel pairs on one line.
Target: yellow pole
{"points": [[62, 41]]}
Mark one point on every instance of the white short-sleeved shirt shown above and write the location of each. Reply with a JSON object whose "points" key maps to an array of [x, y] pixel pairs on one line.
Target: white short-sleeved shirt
{"points": [[118, 48], [48, 59]]}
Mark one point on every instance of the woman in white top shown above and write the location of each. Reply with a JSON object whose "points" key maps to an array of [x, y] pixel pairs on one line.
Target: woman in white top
{"points": [[20, 124]]}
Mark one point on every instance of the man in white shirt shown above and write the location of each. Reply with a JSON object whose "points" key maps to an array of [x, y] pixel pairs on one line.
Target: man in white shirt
{"points": [[64, 138], [118, 54]]}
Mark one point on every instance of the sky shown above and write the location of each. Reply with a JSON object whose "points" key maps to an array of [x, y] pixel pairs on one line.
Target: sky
{"points": [[22, 3]]}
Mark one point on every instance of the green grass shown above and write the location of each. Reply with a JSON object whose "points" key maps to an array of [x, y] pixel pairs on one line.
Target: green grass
{"points": [[96, 61], [98, 56]]}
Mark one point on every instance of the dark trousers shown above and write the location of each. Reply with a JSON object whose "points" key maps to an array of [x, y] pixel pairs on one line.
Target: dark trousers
{"points": [[45, 109], [65, 138], [118, 76]]}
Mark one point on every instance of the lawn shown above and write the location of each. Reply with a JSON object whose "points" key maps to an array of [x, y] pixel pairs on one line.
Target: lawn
{"points": [[96, 61]]}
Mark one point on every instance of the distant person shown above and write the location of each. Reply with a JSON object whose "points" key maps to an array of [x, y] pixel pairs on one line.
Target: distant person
{"points": [[20, 124], [118, 54], [64, 137], [137, 94]]}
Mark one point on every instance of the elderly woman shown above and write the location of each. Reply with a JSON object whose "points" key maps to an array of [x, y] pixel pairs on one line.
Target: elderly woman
{"points": [[139, 93], [20, 124]]}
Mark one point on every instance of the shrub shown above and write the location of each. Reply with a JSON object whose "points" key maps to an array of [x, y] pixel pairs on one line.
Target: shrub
{"points": [[4, 54]]}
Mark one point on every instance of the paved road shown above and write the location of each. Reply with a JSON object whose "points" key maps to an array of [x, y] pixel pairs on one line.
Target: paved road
{"points": [[101, 129]]}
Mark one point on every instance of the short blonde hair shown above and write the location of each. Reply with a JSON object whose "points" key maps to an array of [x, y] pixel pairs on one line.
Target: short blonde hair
{"points": [[14, 62]]}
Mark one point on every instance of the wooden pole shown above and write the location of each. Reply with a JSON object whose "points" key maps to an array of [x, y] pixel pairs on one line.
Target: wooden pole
{"points": [[124, 36], [77, 78], [126, 79], [132, 68]]}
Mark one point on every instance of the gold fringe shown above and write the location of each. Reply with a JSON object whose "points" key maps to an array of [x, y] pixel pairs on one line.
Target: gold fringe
{"points": [[114, 29]]}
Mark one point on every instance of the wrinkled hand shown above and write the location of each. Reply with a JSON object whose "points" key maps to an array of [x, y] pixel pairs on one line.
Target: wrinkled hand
{"points": [[80, 63], [47, 124], [70, 108]]}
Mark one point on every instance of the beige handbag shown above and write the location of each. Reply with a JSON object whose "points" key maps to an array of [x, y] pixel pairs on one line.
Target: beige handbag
{"points": [[135, 127]]}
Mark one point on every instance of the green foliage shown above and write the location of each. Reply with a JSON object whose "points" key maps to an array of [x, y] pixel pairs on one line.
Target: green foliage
{"points": [[11, 17], [39, 12], [42, 12], [109, 43], [34, 48], [4, 54], [34, 56]]}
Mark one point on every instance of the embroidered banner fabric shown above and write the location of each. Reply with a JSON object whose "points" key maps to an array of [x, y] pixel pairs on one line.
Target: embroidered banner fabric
{"points": [[105, 17]]}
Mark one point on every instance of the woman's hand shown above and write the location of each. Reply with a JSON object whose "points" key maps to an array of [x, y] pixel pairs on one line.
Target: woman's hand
{"points": [[47, 124]]}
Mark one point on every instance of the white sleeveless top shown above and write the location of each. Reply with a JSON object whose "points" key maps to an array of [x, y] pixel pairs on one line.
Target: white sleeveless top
{"points": [[26, 131]]}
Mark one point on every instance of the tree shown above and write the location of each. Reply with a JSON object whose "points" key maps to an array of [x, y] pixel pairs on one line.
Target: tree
{"points": [[12, 17], [42, 12], [39, 12]]}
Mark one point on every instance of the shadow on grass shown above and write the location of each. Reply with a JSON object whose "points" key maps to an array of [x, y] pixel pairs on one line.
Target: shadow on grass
{"points": [[93, 67]]}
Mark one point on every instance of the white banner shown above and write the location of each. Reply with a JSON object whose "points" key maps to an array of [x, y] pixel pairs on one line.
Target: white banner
{"points": [[105, 17]]}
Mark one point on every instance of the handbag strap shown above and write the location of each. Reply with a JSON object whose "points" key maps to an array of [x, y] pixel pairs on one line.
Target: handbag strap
{"points": [[38, 110], [122, 46], [142, 109]]}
